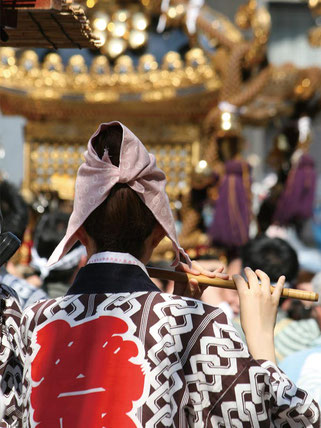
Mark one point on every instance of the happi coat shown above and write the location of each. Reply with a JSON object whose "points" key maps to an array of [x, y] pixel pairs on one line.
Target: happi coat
{"points": [[11, 359], [116, 352]]}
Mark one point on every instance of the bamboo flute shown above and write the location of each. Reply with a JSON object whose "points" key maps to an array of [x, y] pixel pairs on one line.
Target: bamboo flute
{"points": [[225, 283]]}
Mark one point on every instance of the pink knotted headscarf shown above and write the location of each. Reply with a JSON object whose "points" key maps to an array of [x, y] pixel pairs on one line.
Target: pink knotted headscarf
{"points": [[96, 177]]}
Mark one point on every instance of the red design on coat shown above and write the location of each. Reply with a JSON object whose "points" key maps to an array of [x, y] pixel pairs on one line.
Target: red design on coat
{"points": [[84, 375]]}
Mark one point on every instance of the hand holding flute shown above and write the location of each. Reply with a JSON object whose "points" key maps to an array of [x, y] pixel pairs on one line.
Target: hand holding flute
{"points": [[205, 278], [192, 286], [258, 301], [258, 310]]}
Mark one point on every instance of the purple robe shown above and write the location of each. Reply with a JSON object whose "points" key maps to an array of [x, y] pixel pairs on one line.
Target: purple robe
{"points": [[296, 201], [231, 221]]}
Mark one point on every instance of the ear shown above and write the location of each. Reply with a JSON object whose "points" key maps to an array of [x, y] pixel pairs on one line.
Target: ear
{"points": [[157, 235], [82, 236], [86, 240]]}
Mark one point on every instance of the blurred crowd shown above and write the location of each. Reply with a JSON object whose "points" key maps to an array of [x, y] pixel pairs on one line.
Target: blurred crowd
{"points": [[298, 325]]}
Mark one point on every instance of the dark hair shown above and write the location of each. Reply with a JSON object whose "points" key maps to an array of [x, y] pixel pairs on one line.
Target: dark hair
{"points": [[109, 140], [297, 311], [268, 207], [122, 222], [272, 255], [14, 210], [304, 276], [49, 231], [228, 146]]}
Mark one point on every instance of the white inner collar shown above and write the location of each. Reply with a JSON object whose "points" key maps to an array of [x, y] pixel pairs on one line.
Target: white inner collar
{"points": [[120, 258]]}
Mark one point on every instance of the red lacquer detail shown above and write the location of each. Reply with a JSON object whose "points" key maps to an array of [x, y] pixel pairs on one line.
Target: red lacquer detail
{"points": [[85, 376]]}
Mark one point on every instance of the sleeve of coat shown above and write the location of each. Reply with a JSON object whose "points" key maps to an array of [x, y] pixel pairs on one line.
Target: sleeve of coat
{"points": [[227, 387], [11, 359]]}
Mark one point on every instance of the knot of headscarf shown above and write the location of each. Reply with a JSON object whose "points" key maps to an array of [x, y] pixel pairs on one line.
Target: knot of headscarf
{"points": [[96, 177]]}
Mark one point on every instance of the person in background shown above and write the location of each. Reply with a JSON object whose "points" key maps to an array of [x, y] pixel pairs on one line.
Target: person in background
{"points": [[49, 231], [304, 367], [275, 256], [300, 309], [116, 351], [309, 257], [15, 220]]}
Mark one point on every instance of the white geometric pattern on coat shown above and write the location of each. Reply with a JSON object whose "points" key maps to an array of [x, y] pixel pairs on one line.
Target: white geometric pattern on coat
{"points": [[10, 356], [198, 365]]}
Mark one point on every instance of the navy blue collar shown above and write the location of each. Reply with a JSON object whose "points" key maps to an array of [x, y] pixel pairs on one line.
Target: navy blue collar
{"points": [[100, 278]]}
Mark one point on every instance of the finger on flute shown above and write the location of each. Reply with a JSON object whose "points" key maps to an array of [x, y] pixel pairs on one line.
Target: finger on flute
{"points": [[225, 283]]}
